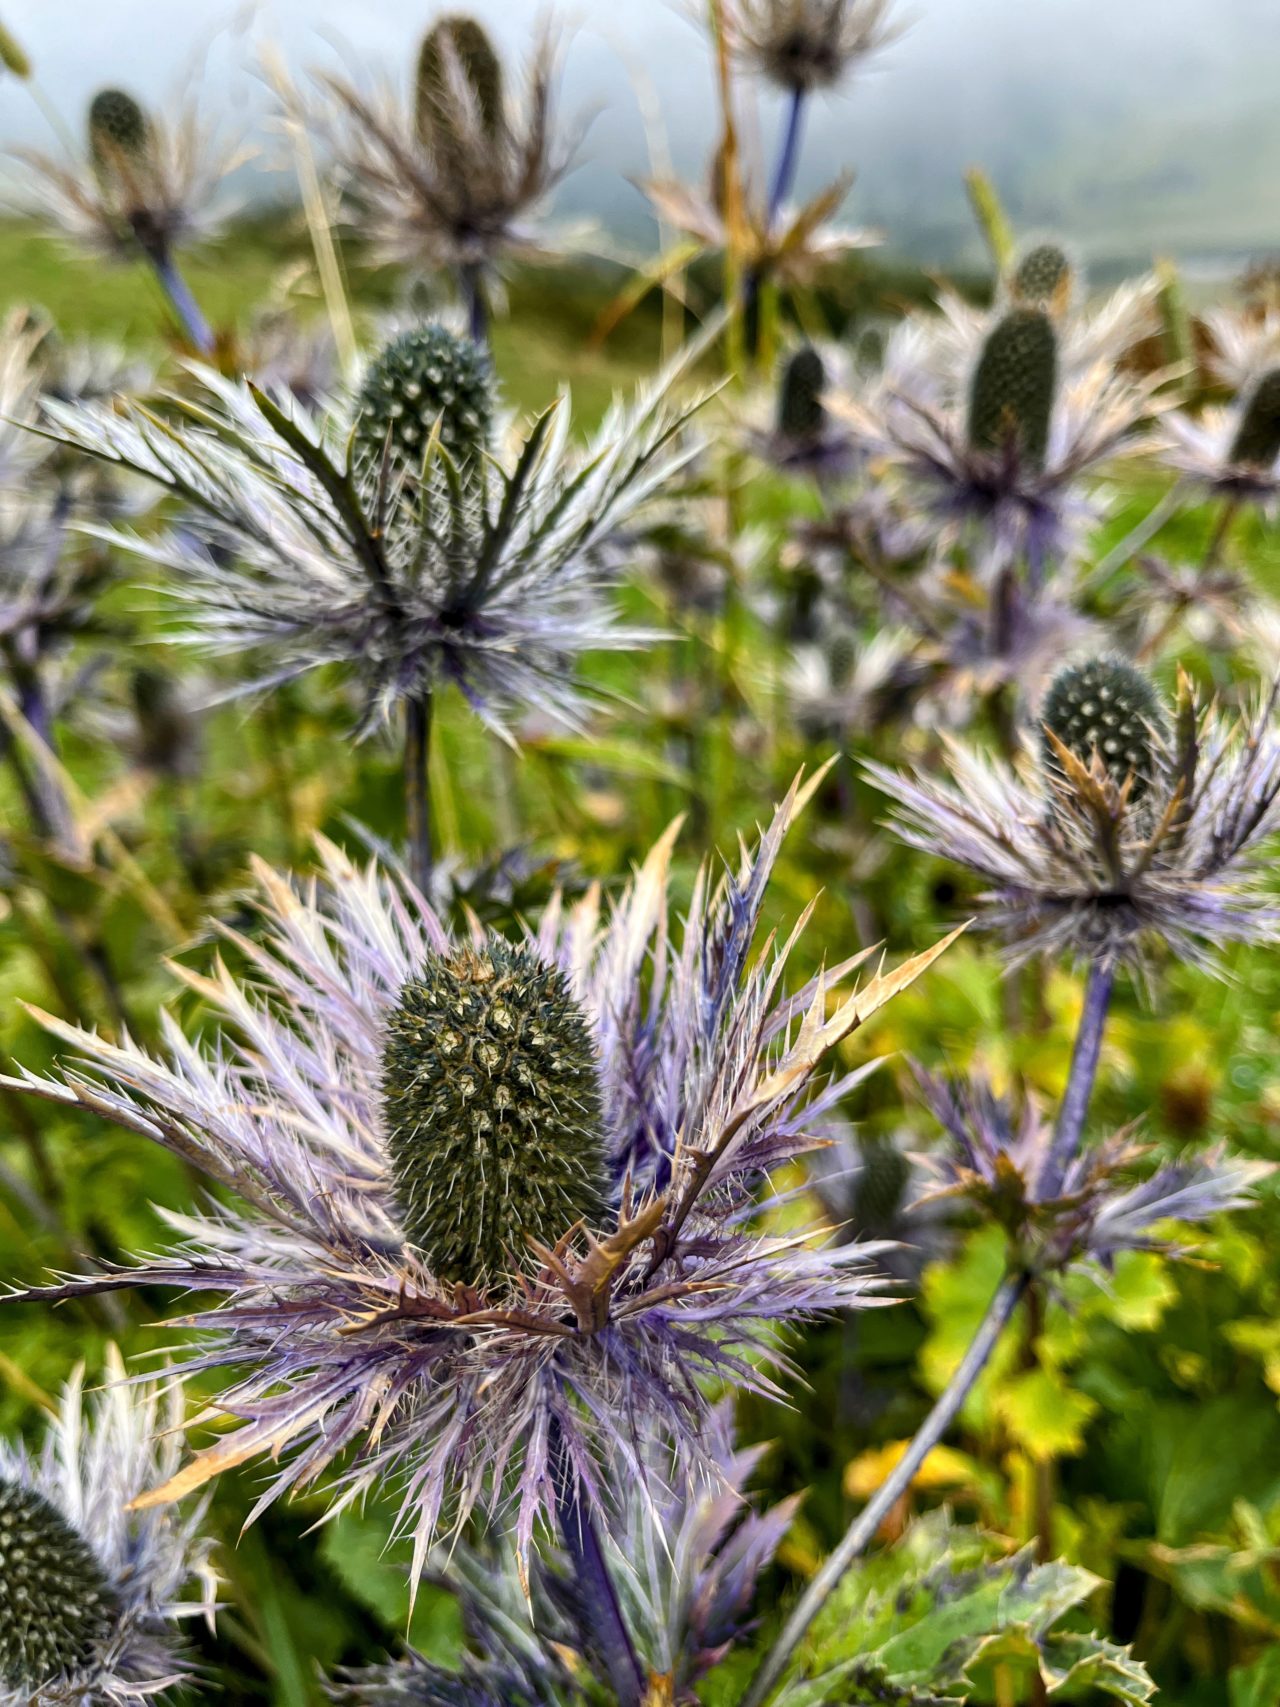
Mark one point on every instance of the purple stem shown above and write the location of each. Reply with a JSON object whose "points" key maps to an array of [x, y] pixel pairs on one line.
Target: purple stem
{"points": [[472, 281], [606, 1627], [783, 179], [184, 305], [1084, 1070]]}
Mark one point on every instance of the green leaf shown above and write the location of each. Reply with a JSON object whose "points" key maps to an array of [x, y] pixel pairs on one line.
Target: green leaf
{"points": [[1044, 1415]]}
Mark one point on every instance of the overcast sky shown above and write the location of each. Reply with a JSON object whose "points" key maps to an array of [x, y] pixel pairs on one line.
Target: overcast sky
{"points": [[1119, 122]]}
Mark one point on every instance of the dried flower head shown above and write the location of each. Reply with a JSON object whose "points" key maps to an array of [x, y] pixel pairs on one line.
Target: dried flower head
{"points": [[803, 45], [144, 180], [457, 175], [496, 582], [90, 1589], [999, 1159], [1125, 836], [644, 1280]]}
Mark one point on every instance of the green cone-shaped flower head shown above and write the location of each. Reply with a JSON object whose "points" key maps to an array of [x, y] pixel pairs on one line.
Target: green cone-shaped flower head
{"points": [[1011, 398], [1257, 441], [802, 414], [491, 1105], [881, 1183], [842, 657], [119, 130], [1042, 278], [453, 47], [1108, 707], [423, 376], [55, 1602]]}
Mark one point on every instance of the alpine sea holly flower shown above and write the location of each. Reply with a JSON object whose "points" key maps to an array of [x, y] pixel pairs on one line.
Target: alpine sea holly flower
{"points": [[999, 1158], [492, 1212], [304, 545], [91, 1591], [804, 437], [1000, 449], [806, 45], [145, 184], [1233, 453], [1131, 824], [1244, 344], [456, 176]]}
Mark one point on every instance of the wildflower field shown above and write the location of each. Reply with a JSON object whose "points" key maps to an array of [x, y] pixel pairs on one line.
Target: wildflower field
{"points": [[638, 932]]}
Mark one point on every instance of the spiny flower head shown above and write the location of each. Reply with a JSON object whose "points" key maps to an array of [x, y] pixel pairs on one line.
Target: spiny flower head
{"points": [[1014, 384], [651, 1280], [1257, 440], [1042, 278], [802, 45], [496, 582], [144, 179], [425, 380], [802, 412], [56, 1605], [1106, 706], [457, 63], [1082, 860], [457, 175], [998, 1159], [91, 1591], [491, 1109]]}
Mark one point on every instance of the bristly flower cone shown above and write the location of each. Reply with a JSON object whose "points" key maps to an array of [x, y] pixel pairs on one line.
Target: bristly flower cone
{"points": [[492, 1110], [1012, 395], [424, 376], [802, 413], [1258, 440], [118, 127], [55, 1603], [1042, 277], [453, 46], [1108, 707]]}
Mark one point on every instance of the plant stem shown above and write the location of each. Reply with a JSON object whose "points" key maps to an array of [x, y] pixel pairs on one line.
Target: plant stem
{"points": [[783, 178], [471, 279], [858, 1537], [606, 1627], [184, 305], [1084, 1069], [417, 785]]}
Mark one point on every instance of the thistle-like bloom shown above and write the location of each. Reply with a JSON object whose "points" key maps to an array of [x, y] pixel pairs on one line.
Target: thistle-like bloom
{"points": [[1126, 826], [492, 1213], [792, 247], [1233, 453], [92, 1592], [358, 539], [1004, 446], [999, 1159], [455, 176], [685, 1563], [1244, 343], [804, 45], [144, 181], [804, 437]]}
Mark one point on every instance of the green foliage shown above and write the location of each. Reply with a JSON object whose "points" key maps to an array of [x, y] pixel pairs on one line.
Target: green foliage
{"points": [[55, 1602], [927, 1622], [492, 1109], [1012, 393]]}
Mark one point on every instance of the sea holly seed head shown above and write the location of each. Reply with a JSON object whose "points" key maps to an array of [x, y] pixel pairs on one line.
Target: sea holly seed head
{"points": [[842, 656], [425, 376], [491, 1105], [1107, 707], [118, 127], [55, 1602], [1257, 441], [453, 47], [802, 413], [1012, 395], [881, 1184], [1042, 277]]}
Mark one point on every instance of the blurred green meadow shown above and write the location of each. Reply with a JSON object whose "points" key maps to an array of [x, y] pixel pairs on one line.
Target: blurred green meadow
{"points": [[1154, 1399]]}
